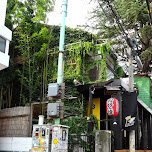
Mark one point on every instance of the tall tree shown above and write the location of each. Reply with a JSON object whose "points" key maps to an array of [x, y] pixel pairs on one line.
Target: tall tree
{"points": [[30, 42], [19, 12], [117, 18]]}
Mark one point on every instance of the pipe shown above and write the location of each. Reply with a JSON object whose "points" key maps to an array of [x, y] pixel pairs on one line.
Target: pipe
{"points": [[61, 44], [61, 49], [41, 120]]}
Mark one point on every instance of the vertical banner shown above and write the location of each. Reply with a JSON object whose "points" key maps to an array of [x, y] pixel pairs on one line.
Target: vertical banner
{"points": [[129, 110]]}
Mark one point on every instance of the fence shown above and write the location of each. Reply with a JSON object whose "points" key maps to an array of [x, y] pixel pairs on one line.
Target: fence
{"points": [[81, 143]]}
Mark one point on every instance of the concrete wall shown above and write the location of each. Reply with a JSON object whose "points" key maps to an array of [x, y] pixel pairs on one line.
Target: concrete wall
{"points": [[103, 141], [15, 144], [15, 122]]}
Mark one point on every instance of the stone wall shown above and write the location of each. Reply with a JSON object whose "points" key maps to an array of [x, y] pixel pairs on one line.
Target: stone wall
{"points": [[15, 122]]}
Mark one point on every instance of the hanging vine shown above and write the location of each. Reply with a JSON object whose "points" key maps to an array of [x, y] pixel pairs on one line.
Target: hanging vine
{"points": [[79, 60]]}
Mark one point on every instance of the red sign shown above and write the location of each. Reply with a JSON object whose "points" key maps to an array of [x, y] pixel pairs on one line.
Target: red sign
{"points": [[112, 107]]}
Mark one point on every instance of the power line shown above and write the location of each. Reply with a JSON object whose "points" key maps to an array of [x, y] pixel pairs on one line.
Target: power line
{"points": [[117, 18], [108, 17]]}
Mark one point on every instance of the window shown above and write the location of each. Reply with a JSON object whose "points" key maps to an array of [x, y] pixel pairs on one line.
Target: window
{"points": [[2, 44]]}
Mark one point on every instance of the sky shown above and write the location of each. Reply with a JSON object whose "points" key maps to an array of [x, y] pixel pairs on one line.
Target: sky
{"points": [[77, 12]]}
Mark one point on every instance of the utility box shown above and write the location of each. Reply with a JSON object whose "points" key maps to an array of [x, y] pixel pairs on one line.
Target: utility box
{"points": [[41, 138], [53, 89], [59, 138], [56, 90], [103, 141], [53, 109]]}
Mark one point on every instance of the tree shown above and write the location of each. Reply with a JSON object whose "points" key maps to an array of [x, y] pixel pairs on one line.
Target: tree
{"points": [[120, 18], [30, 41], [31, 11]]}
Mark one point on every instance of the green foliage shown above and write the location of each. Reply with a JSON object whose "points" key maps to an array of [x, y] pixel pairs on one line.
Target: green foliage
{"points": [[79, 61], [95, 121], [133, 16], [35, 45], [20, 12], [72, 36], [29, 46], [133, 11], [78, 125], [118, 70]]}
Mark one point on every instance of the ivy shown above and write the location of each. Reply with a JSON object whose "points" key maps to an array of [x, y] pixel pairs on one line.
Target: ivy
{"points": [[118, 70], [79, 60]]}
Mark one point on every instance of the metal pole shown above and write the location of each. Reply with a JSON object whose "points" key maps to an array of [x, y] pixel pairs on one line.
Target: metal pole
{"points": [[61, 44], [61, 49], [131, 89]]}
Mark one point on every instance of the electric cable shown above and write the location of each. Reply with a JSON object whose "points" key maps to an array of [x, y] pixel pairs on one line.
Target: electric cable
{"points": [[107, 16], [117, 18]]}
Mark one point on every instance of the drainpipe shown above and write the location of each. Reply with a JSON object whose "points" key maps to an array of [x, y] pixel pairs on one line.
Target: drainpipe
{"points": [[61, 49]]}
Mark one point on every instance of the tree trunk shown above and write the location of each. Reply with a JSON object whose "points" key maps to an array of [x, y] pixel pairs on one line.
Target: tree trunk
{"points": [[43, 89], [10, 90]]}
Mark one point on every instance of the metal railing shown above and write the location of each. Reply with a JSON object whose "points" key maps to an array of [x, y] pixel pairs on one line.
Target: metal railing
{"points": [[81, 143]]}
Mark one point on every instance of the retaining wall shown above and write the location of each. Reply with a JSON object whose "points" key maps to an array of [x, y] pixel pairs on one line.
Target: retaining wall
{"points": [[15, 122]]}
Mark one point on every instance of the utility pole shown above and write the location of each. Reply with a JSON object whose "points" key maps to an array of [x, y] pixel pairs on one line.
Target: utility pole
{"points": [[61, 49], [131, 89], [132, 53], [132, 45]]}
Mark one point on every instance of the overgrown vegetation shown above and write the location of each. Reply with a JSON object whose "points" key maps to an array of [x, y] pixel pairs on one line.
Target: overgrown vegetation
{"points": [[34, 54]]}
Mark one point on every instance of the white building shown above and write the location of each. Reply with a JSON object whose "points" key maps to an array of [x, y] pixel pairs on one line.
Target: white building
{"points": [[5, 37]]}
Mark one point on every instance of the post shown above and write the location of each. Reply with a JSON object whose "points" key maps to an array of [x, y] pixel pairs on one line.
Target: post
{"points": [[131, 89], [90, 123], [61, 49], [90, 99], [61, 44]]}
